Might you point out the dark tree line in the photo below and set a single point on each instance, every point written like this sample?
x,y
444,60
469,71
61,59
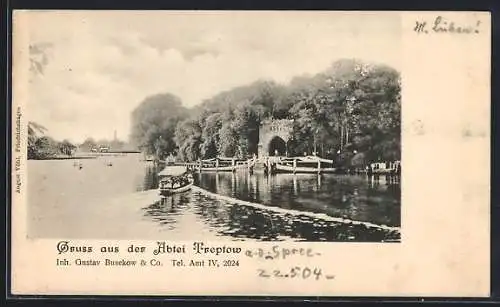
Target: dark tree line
x,y
350,113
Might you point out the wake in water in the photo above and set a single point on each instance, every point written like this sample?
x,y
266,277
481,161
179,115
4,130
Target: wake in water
x,y
224,217
295,212
230,217
243,221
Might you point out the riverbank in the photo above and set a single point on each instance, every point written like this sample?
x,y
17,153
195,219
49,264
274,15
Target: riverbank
x,y
66,158
79,156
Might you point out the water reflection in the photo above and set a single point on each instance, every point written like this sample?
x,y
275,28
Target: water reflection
x,y
150,177
355,198
166,210
245,222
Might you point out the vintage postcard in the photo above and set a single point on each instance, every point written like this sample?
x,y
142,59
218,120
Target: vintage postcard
x,y
290,153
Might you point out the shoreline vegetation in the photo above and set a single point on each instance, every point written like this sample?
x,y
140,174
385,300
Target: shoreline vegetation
x,y
87,156
43,147
67,158
349,113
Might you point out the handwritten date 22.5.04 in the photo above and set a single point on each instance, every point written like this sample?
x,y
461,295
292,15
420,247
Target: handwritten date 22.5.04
x,y
295,272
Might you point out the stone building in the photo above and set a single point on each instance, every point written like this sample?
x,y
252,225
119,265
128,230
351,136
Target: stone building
x,y
274,136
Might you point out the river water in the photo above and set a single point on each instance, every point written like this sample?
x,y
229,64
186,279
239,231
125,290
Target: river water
x,y
120,201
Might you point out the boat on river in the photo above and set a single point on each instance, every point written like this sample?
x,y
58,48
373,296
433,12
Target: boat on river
x,y
224,168
175,179
281,168
307,164
222,164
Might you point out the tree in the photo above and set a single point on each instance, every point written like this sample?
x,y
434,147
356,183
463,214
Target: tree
x,y
230,120
66,148
188,135
46,147
35,131
88,145
210,135
228,143
350,107
154,122
41,146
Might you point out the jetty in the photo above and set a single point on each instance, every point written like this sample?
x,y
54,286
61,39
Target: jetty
x,y
220,164
311,164
270,165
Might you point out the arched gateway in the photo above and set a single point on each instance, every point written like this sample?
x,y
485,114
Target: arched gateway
x,y
274,135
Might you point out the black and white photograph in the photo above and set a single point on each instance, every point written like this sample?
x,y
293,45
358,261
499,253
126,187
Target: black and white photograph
x,y
218,126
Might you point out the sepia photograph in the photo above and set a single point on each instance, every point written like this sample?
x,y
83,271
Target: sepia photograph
x,y
260,150
211,126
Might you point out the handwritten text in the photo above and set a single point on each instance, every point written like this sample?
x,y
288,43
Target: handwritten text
x,y
443,25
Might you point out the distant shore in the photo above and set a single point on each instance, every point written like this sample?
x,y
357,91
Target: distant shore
x,y
67,158
88,155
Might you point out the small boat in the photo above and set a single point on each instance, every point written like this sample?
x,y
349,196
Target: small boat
x,y
175,179
212,165
309,164
281,168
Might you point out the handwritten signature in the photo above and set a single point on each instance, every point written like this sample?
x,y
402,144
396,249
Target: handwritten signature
x,y
442,25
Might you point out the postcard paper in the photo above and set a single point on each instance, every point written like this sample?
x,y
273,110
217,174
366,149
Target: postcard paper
x,y
258,153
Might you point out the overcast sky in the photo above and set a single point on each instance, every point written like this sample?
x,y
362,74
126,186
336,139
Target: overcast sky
x,y
101,65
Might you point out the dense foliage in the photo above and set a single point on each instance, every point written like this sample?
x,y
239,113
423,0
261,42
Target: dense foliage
x,y
350,113
154,124
41,146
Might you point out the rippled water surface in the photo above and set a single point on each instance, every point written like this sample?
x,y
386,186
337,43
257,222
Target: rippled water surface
x,y
120,202
353,197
